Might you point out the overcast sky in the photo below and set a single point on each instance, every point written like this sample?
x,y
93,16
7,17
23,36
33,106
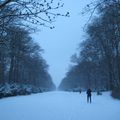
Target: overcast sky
x,y
61,43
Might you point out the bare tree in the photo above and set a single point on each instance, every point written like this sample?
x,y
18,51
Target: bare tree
x,y
41,12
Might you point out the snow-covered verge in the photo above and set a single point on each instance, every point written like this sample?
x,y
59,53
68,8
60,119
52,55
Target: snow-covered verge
x,y
60,106
8,90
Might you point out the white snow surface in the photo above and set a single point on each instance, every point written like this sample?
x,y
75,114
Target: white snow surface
x,y
60,106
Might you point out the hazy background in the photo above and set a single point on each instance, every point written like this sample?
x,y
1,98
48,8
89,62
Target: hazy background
x,y
62,41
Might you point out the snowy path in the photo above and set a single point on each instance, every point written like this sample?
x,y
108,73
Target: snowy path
x,y
59,106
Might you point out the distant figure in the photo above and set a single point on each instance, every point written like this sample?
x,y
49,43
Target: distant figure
x,y
99,93
89,95
80,91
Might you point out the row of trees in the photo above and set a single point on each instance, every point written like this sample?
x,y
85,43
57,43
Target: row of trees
x,y
98,63
21,63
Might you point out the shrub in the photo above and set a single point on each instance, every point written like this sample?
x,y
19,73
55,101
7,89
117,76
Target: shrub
x,y
116,93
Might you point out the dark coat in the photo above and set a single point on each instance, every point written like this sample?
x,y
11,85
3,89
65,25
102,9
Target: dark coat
x,y
89,92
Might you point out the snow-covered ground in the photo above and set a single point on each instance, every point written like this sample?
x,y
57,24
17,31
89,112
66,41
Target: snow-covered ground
x,y
60,106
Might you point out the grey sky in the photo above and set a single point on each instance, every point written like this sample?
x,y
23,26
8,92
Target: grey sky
x,y
62,42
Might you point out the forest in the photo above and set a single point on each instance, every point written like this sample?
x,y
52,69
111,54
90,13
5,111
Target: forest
x,y
97,64
23,70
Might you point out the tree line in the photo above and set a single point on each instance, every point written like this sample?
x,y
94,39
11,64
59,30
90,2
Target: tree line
x,y
21,62
98,64
22,67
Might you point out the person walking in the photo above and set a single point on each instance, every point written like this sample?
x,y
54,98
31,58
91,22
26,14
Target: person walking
x,y
89,94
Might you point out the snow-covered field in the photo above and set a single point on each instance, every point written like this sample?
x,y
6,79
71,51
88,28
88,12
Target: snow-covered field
x,y
60,106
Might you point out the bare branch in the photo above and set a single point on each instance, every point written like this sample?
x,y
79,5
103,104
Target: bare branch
x,y
2,5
